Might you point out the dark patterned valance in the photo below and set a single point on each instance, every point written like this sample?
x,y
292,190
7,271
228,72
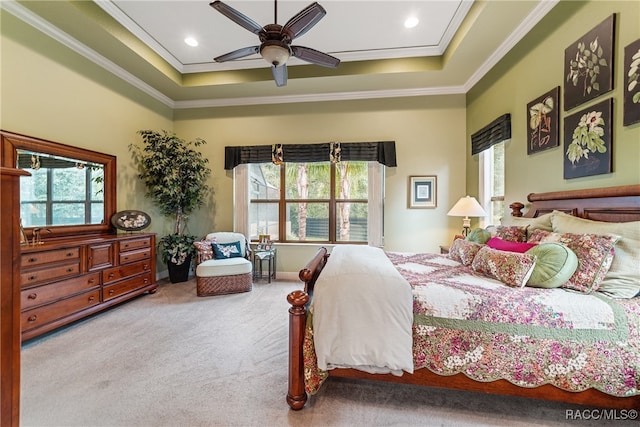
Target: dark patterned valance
x,y
497,131
383,152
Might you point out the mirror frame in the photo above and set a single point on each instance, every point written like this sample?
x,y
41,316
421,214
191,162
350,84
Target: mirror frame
x,y
11,142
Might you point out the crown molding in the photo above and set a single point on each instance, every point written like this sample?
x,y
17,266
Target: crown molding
x,y
60,36
521,30
37,22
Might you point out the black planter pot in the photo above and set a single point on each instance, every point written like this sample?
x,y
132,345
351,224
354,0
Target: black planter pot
x,y
179,273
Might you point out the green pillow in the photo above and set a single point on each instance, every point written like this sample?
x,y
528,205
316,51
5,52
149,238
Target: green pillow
x,y
555,264
478,235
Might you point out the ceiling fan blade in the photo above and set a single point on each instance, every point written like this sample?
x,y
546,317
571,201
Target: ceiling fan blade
x,y
315,56
280,75
236,16
236,54
304,20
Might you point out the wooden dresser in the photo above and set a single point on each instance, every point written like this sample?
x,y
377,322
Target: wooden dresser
x,y
64,280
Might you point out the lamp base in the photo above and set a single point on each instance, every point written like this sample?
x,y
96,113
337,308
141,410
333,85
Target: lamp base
x,y
465,231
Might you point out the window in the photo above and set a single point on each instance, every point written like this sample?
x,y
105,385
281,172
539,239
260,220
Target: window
x,y
62,195
492,182
309,202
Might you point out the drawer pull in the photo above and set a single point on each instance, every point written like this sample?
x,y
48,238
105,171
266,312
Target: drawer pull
x,y
70,269
126,246
32,296
146,281
91,298
70,254
33,259
145,267
33,277
111,291
92,280
126,258
111,275
32,318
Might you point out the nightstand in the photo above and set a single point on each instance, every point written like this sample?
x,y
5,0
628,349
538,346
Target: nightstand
x,y
444,249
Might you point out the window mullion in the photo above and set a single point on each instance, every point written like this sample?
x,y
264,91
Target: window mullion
x,y
332,204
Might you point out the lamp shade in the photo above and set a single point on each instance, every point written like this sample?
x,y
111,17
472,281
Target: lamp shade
x,y
467,206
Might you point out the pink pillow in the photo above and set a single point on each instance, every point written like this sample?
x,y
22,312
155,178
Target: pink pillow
x,y
504,245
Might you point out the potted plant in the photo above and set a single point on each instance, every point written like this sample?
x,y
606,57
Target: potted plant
x,y
175,176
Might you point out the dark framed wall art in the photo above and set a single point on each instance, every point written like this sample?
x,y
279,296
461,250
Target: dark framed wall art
x,y
544,114
588,65
588,141
631,83
422,192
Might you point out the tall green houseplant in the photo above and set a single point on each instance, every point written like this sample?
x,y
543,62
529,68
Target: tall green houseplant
x,y
175,175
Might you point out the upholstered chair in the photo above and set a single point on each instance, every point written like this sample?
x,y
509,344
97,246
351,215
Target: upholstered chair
x,y
223,264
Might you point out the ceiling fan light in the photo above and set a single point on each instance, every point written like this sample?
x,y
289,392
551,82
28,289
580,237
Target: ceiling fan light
x,y
275,55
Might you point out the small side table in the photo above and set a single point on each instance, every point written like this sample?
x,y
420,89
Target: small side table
x,y
444,249
259,257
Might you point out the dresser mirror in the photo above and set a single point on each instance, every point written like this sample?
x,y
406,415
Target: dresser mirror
x,y
70,191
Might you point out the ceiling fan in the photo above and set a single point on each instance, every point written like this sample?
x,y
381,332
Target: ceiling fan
x,y
275,40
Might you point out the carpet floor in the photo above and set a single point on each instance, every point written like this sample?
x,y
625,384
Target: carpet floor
x,y
175,359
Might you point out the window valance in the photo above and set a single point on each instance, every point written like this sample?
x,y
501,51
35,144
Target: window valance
x,y
495,132
383,152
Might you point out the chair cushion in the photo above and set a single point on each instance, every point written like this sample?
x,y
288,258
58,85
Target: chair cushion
x,y
223,267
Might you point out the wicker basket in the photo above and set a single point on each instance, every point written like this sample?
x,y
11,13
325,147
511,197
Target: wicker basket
x,y
220,285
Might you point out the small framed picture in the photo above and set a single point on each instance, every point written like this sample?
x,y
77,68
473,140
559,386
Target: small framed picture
x,y
422,192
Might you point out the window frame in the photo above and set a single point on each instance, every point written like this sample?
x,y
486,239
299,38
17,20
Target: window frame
x,y
375,198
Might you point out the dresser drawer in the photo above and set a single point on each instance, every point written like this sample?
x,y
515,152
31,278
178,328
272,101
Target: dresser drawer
x,y
47,313
114,274
133,256
49,293
28,278
129,245
45,257
125,286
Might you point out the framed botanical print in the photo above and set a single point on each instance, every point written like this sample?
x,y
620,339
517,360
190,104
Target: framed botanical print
x,y
422,192
588,65
588,141
543,115
631,83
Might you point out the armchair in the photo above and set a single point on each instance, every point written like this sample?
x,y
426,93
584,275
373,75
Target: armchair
x,y
229,270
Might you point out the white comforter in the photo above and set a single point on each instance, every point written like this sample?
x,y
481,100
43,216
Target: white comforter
x,y
359,281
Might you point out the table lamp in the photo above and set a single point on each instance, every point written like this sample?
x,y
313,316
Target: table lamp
x,y
467,207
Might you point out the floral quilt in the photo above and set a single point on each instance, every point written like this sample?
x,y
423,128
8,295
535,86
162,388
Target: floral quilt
x,y
471,324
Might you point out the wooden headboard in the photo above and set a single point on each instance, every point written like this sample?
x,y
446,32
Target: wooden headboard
x,y
608,204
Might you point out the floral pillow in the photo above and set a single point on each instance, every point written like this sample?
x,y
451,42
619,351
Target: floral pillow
x,y
511,268
543,236
511,233
464,251
595,255
204,250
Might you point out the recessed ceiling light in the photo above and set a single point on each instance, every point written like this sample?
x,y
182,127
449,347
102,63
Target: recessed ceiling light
x,y
191,41
411,22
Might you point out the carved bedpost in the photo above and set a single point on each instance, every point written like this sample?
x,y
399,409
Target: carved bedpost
x,y
516,209
296,396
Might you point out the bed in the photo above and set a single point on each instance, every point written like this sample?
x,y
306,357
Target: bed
x,y
617,338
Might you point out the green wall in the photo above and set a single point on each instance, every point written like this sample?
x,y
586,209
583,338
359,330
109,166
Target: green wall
x,y
427,142
535,66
